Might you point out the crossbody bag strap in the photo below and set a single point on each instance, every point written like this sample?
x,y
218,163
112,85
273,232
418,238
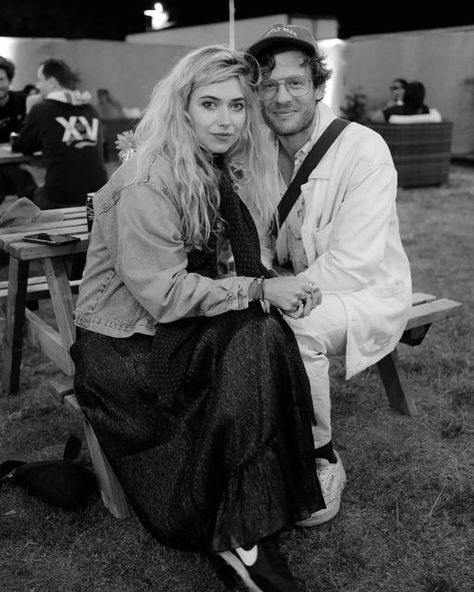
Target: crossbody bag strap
x,y
309,164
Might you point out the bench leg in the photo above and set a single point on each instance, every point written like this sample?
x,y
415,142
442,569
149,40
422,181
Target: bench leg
x,y
396,384
14,323
113,496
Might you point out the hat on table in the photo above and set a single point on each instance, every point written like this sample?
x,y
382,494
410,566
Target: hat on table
x,y
280,35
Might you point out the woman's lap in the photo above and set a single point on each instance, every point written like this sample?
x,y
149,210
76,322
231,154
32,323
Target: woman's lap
x,y
220,449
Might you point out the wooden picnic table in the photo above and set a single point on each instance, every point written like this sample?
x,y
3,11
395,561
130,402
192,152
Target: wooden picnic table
x,y
9,157
55,343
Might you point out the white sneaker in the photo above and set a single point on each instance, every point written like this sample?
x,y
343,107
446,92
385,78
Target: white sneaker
x,y
332,478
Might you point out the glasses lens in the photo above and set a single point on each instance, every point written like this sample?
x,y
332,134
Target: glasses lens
x,y
297,86
267,89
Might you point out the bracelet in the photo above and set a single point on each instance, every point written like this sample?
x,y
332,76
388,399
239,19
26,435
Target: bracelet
x,y
261,295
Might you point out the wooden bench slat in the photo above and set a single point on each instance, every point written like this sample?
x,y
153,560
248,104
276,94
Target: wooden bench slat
x,y
420,298
429,312
37,288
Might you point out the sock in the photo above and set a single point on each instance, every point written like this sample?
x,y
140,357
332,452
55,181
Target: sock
x,y
327,452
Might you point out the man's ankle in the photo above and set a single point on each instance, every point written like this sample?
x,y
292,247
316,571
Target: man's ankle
x,y
327,452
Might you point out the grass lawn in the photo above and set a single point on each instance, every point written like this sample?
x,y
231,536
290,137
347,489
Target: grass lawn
x,y
407,519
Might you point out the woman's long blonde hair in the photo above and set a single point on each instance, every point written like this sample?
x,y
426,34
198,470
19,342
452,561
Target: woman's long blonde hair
x,y
166,129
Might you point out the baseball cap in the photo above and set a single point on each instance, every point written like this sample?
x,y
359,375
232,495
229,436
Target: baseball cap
x,y
281,34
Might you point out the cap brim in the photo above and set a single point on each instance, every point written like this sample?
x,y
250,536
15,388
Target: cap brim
x,y
265,44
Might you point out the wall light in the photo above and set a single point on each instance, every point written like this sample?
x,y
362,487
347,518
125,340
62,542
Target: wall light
x,y
159,17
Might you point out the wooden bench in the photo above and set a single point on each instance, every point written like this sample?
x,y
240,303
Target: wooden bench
x,y
426,310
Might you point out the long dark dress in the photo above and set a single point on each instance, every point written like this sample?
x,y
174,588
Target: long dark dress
x,y
208,423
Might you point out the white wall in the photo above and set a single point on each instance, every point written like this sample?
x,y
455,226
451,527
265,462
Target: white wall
x,y
129,72
443,59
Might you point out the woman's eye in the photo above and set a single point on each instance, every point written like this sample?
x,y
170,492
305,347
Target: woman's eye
x,y
238,106
209,105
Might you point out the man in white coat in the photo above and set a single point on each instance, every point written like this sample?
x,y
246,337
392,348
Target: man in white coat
x,y
342,233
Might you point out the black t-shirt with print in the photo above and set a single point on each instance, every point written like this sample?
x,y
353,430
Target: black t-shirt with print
x,y
12,115
70,138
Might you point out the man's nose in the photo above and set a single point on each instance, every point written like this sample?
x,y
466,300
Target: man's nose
x,y
282,95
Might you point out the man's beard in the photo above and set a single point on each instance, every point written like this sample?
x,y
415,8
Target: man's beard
x,y
289,128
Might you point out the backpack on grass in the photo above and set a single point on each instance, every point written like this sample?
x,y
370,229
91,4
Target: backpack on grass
x,y
61,483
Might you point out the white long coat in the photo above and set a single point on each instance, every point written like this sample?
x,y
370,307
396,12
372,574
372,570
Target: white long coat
x,y
351,237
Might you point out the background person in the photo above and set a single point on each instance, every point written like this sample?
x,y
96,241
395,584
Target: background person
x,y
342,233
29,89
66,128
397,92
198,397
14,179
413,104
108,106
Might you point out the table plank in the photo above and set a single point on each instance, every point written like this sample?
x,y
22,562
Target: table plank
x,y
64,227
9,157
74,223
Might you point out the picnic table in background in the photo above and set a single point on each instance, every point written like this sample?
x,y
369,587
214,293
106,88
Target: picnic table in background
x,y
55,343
9,157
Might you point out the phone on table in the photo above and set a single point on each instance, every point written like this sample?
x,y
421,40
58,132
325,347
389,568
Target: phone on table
x,y
43,238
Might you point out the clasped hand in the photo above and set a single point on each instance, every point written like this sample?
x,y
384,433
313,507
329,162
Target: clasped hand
x,y
295,296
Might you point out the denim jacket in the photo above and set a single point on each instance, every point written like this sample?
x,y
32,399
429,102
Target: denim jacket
x,y
135,274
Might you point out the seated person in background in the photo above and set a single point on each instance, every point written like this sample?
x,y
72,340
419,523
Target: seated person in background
x,y
413,104
108,106
397,91
14,179
12,103
30,89
66,128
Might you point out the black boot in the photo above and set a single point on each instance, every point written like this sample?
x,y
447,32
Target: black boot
x,y
224,572
262,567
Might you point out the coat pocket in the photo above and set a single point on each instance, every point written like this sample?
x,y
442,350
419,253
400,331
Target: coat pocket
x,y
322,239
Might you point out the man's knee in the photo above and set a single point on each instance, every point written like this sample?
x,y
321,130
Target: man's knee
x,y
325,329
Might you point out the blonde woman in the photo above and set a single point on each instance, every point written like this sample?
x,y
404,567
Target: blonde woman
x,y
193,382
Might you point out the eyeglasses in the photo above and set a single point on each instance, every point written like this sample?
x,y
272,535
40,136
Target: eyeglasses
x,y
297,86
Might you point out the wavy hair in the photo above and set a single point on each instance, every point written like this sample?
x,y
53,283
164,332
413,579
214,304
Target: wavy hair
x,y
320,72
166,129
